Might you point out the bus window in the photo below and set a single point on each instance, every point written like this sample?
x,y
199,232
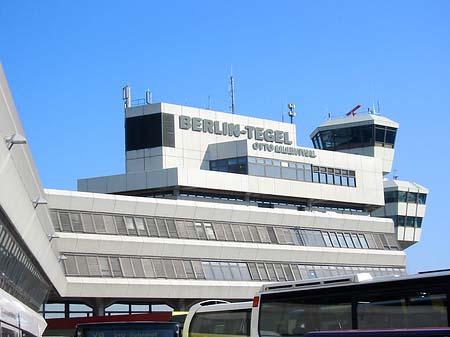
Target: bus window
x,y
284,317
228,323
423,310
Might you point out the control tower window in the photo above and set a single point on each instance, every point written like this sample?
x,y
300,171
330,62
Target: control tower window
x,y
354,137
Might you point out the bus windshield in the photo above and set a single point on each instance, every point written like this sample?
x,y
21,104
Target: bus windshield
x,y
129,329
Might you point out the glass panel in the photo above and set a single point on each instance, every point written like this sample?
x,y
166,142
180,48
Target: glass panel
x,y
129,224
412,197
218,229
254,233
168,267
172,228
363,241
217,271
334,240
188,268
151,227
76,222
55,220
244,272
104,266
120,224
71,266
271,272
288,272
228,232
253,271
264,236
126,267
82,265
422,198
181,229
272,236
94,268
200,231
137,266
116,269
356,241
109,224
148,268
179,269
256,170
65,222
207,270
327,239
348,240
272,171
262,271
192,233
140,226
401,196
159,268
162,229
198,269
235,271
209,231
99,223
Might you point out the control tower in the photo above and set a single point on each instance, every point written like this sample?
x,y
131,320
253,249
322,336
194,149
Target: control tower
x,y
367,134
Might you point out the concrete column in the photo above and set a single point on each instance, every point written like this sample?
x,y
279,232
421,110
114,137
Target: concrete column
x,y
99,307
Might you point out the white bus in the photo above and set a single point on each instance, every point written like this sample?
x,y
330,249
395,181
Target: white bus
x,y
291,309
18,320
218,319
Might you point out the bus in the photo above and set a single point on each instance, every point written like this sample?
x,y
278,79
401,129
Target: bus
x,y
128,329
18,320
218,318
291,309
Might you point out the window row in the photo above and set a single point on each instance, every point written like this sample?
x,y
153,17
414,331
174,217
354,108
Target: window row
x,y
272,168
403,196
407,221
146,267
331,176
19,275
66,221
354,137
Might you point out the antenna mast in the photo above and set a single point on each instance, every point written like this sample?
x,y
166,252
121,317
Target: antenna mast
x,y
232,90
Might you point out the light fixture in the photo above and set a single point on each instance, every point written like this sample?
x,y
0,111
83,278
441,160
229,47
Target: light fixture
x,y
52,236
15,139
39,201
62,258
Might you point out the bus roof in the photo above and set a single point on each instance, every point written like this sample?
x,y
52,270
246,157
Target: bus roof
x,y
365,278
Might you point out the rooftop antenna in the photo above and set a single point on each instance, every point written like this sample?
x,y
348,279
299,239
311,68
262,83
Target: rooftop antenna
x,y
148,97
378,106
352,112
126,96
291,112
282,113
232,90
328,113
209,102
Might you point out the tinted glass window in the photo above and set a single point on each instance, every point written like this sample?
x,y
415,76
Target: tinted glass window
x,y
236,322
143,132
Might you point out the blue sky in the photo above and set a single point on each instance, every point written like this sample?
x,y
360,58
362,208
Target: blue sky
x,y
66,62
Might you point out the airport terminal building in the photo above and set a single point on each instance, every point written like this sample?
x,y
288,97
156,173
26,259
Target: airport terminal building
x,y
212,205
